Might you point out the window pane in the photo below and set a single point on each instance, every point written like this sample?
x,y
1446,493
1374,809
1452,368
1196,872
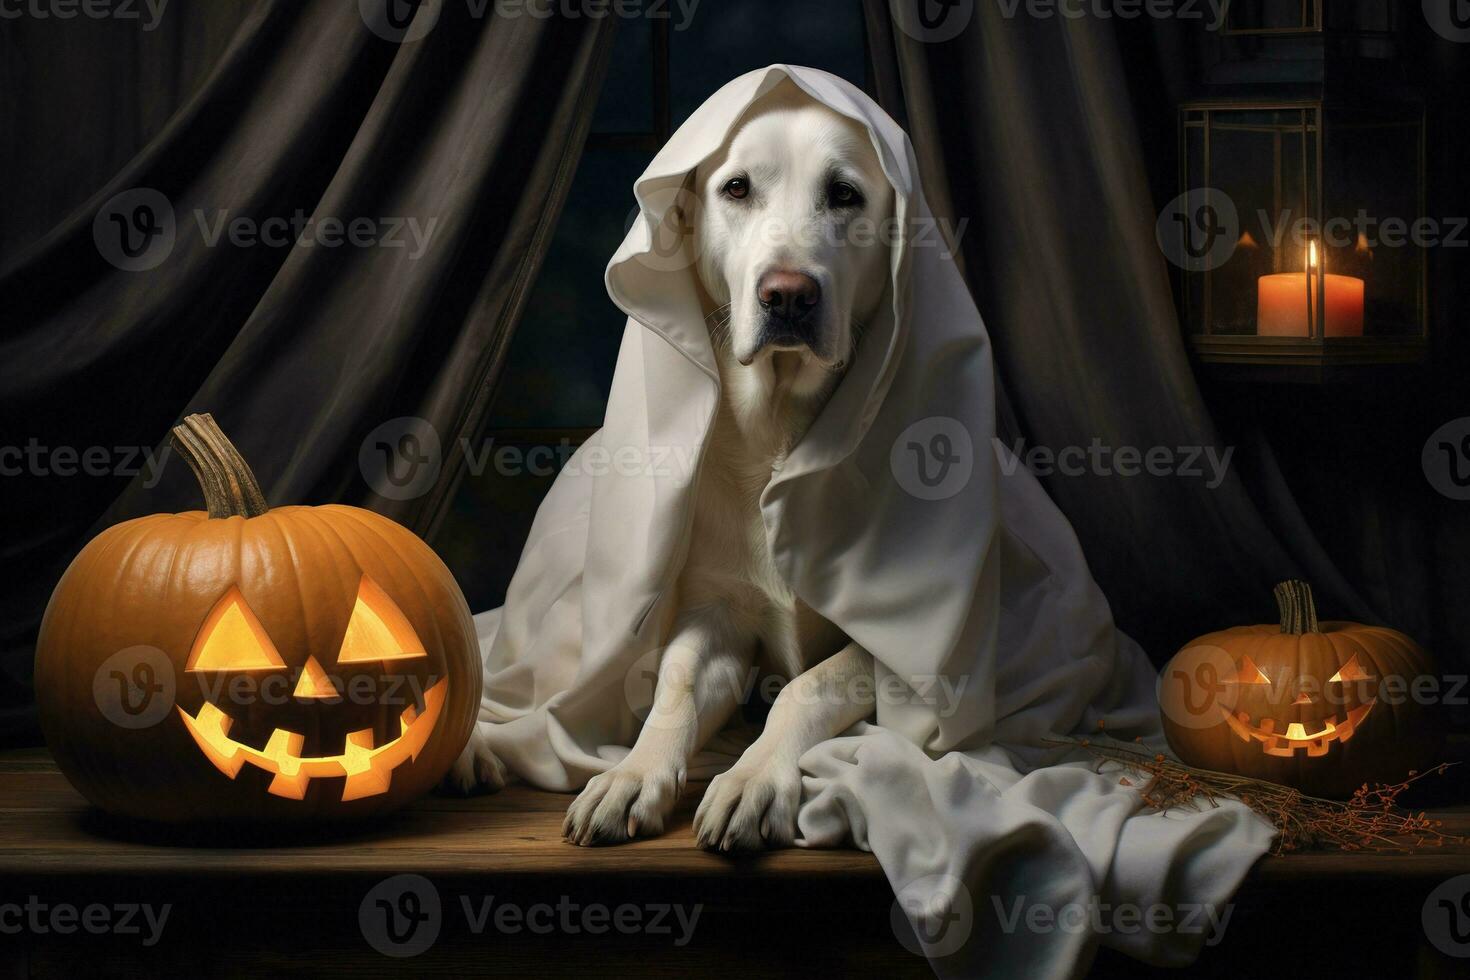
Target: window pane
x,y
626,105
724,40
559,366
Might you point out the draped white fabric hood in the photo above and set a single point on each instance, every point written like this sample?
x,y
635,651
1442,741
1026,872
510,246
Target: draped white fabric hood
x,y
902,520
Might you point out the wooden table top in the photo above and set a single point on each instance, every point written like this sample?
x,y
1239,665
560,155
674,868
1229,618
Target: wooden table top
x,y
48,830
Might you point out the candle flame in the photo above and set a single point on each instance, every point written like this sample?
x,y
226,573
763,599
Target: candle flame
x,y
1311,256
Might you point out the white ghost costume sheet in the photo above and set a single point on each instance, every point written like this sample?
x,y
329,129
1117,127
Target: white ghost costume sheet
x,y
901,519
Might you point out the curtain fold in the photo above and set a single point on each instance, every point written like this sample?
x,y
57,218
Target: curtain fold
x,y
1029,126
356,225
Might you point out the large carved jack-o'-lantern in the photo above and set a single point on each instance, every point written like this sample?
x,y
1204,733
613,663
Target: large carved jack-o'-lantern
x,y
1321,706
253,663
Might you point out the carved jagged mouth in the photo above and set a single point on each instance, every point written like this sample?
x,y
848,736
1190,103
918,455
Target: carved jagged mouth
x,y
1296,739
368,769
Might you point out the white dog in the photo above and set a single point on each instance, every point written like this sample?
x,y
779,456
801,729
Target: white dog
x,y
792,264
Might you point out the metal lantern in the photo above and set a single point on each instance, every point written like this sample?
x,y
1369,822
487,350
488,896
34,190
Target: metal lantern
x,y
1301,224
1313,215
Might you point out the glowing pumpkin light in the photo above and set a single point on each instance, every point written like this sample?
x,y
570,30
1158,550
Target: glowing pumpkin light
x,y
255,663
1321,706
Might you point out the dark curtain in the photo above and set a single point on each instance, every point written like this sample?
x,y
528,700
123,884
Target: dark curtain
x,y
1055,139
110,86
301,348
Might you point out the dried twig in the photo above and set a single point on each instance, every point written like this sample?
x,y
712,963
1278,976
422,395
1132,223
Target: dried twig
x,y
1370,821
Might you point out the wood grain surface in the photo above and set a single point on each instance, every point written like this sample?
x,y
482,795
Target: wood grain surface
x,y
292,905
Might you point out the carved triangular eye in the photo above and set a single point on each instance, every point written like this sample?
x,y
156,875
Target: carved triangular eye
x,y
1349,673
1249,673
378,630
233,639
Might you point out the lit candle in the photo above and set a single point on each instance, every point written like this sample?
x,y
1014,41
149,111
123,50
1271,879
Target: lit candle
x,y
1282,304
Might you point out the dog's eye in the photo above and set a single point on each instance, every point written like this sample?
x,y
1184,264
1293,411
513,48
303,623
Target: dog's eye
x,y
844,195
737,188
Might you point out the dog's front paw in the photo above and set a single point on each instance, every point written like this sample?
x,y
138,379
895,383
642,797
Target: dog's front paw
x,y
629,800
751,806
476,769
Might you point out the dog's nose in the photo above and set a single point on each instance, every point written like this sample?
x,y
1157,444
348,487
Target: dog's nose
x,y
788,295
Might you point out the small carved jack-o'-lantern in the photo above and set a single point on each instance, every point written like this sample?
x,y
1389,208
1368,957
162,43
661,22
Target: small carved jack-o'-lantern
x,y
1322,707
255,664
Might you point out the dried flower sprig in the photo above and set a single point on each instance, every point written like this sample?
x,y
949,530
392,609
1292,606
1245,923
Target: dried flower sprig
x,y
1370,821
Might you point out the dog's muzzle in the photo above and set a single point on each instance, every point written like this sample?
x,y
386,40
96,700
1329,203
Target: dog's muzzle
x,y
790,302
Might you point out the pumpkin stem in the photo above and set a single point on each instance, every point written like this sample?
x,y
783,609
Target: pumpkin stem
x,y
230,488
1298,608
